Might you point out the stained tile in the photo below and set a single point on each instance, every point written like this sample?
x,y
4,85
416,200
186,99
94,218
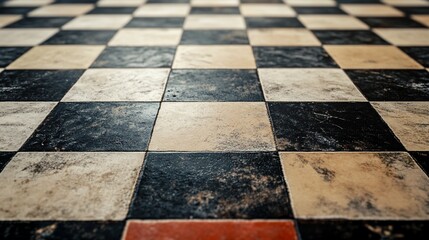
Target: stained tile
x,y
95,127
266,10
409,121
212,127
102,85
19,120
214,37
422,158
113,10
9,54
211,185
390,22
40,22
163,10
332,22
371,10
292,57
277,22
135,57
5,158
423,19
147,37
282,37
392,85
420,54
61,10
405,37
99,21
330,127
68,186
347,37
57,57
371,57
212,21
356,185
169,22
215,10
36,85
86,37
318,10
308,85
213,85
8,19
231,56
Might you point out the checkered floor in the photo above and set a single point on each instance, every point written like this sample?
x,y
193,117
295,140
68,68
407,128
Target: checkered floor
x,y
220,119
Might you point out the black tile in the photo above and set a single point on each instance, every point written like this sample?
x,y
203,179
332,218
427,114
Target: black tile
x,y
330,127
368,230
391,22
211,185
40,22
349,37
302,57
392,85
81,37
156,23
113,10
319,10
261,1
5,157
95,127
359,1
70,230
214,37
36,85
16,10
215,10
9,54
422,158
414,10
263,22
135,57
213,85
76,1
420,54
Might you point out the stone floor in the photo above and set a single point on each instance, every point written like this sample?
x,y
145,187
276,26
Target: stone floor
x,y
214,119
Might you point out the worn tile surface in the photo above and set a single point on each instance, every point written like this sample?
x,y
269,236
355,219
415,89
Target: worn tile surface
x,y
147,37
214,22
25,37
282,37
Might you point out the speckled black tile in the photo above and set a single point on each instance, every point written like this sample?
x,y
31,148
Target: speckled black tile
x,y
391,22
392,85
318,10
90,37
135,57
9,54
95,127
215,10
414,10
113,10
293,57
71,230
211,185
213,85
172,22
349,37
334,126
358,230
16,10
40,22
214,37
5,157
263,22
420,54
37,85
422,158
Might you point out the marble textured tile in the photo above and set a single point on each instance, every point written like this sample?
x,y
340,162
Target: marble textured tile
x,y
277,22
266,10
150,22
60,10
215,10
58,57
318,10
163,10
212,21
25,37
8,19
43,186
349,37
215,57
356,185
282,37
147,37
332,22
371,10
98,22
16,10
214,37
113,10
40,22
420,54
423,19
5,157
212,127
405,37
9,54
411,10
81,37
409,121
19,120
109,85
390,22
294,85
422,158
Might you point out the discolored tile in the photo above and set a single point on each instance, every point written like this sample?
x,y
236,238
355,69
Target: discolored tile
x,y
332,126
371,10
68,186
332,22
420,54
95,127
215,10
36,85
278,22
423,19
231,56
347,37
9,54
292,57
25,37
163,10
405,37
135,57
318,10
147,37
201,126
85,37
409,121
58,57
8,19
5,157
150,22
214,37
294,85
356,185
371,57
282,37
206,22
61,10
102,85
19,120
40,22
390,22
266,10
211,185
98,22
213,85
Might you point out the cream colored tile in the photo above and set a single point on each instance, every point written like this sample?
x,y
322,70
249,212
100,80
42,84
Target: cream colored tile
x,y
371,57
371,10
356,185
217,3
68,186
98,21
214,57
423,19
163,10
25,37
332,22
62,10
405,37
147,37
308,3
207,22
107,85
58,57
266,10
26,3
409,121
18,120
197,126
8,19
308,85
282,37
406,2
121,3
